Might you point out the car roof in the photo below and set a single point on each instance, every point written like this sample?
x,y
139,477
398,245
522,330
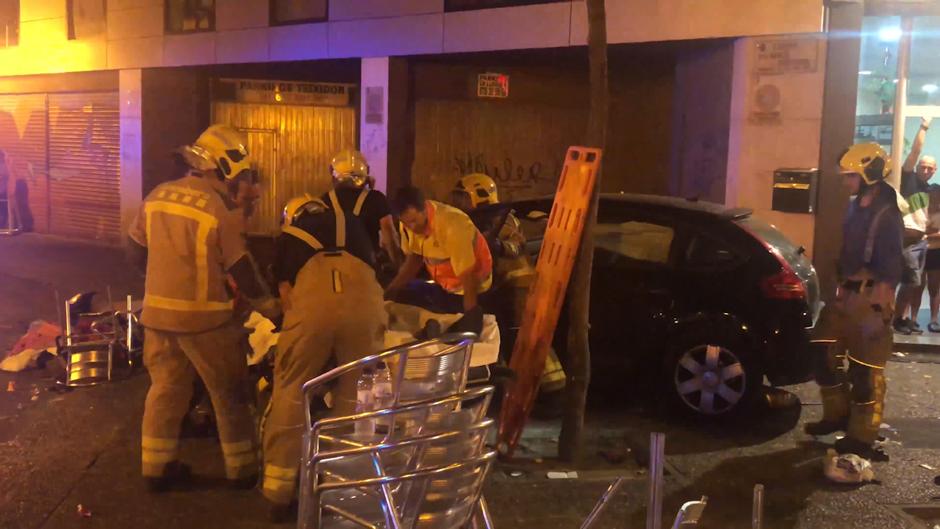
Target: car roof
x,y
676,203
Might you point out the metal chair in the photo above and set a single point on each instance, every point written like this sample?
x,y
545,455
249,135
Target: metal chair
x,y
94,344
12,225
440,497
428,401
89,343
436,432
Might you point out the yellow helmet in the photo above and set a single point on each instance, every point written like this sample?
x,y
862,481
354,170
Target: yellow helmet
x,y
219,147
295,208
480,187
350,167
868,160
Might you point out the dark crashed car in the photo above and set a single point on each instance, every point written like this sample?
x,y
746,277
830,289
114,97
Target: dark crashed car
x,y
710,300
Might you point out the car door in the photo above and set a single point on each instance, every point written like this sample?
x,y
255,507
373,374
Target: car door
x,y
632,291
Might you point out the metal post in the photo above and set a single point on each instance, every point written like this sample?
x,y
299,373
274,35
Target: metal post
x,y
130,327
757,511
900,101
654,508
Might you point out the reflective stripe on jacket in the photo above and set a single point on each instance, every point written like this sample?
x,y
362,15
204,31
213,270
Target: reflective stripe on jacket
x,y
192,239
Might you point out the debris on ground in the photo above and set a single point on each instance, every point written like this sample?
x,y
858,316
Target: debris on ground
x,y
11,386
899,355
563,475
26,359
34,394
40,335
614,456
925,466
847,468
82,511
516,474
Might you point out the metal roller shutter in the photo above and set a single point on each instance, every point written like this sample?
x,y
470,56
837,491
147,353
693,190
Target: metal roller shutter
x,y
84,165
23,133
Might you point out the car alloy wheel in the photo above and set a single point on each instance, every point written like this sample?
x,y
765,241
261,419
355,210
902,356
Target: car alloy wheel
x,y
710,379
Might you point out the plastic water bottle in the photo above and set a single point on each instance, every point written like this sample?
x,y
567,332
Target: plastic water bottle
x,y
382,395
365,403
382,387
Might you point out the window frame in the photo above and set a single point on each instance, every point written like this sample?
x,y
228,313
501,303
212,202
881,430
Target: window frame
x,y
274,22
16,41
630,214
170,31
497,4
70,18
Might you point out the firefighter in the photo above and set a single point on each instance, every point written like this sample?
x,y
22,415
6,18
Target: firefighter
x,y
333,309
856,327
354,188
513,271
189,241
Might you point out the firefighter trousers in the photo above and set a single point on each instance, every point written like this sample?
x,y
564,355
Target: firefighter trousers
x,y
850,373
174,360
336,310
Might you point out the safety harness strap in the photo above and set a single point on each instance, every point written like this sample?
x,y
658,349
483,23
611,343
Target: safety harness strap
x,y
304,236
340,221
873,232
357,209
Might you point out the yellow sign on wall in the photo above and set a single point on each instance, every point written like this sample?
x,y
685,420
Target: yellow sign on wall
x,y
283,92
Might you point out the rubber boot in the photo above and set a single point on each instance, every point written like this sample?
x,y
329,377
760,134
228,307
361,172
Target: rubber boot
x,y
864,421
174,475
835,402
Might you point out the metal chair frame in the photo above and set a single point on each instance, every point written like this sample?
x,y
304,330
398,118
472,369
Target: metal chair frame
x,y
455,376
483,463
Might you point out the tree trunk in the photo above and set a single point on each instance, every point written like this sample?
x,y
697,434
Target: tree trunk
x,y
578,364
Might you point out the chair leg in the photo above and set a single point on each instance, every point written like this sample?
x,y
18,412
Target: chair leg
x,y
481,518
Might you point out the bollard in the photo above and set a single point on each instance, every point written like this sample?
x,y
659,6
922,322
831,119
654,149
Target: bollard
x,y
654,509
757,511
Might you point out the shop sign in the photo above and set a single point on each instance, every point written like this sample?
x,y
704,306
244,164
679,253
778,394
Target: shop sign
x,y
284,92
783,56
493,85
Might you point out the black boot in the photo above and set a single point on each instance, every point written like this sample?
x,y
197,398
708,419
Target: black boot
x,y
174,475
848,445
246,483
825,427
280,513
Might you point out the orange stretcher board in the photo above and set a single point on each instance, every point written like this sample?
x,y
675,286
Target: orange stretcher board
x,y
544,301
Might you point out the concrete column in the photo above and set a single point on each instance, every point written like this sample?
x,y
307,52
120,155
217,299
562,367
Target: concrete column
x,y
373,119
838,132
129,82
776,114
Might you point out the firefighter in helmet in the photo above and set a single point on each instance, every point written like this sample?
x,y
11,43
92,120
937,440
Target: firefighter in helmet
x,y
354,188
190,241
514,273
856,328
333,309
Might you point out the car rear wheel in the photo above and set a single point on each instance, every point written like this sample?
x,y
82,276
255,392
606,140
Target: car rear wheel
x,y
713,378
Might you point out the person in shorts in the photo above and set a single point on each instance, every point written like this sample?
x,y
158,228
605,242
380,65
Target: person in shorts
x,y
915,174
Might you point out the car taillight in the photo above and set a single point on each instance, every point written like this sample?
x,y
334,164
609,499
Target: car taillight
x,y
785,284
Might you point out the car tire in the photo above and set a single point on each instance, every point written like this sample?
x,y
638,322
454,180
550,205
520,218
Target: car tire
x,y
712,376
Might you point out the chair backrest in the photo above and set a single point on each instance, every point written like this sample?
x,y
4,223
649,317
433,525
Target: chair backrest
x,y
421,435
336,436
420,371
